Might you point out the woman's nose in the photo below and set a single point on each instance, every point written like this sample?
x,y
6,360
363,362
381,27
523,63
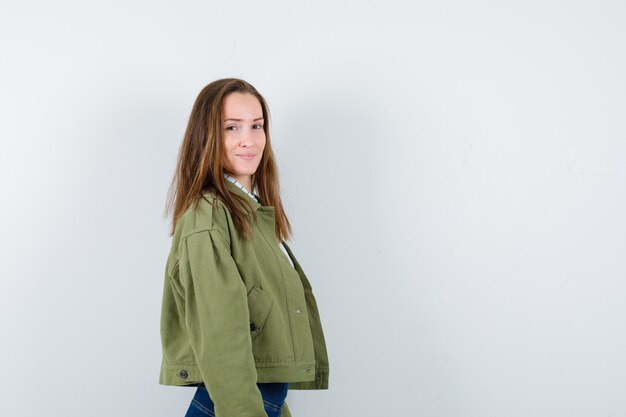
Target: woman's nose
x,y
246,138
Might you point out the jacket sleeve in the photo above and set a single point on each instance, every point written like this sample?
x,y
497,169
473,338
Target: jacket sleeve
x,y
217,320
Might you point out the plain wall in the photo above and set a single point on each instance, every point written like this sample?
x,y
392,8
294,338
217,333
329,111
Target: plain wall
x,y
454,172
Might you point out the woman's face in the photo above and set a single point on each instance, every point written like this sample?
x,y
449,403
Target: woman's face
x,y
243,135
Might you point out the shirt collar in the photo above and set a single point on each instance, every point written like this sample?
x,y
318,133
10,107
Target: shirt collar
x,y
238,188
240,185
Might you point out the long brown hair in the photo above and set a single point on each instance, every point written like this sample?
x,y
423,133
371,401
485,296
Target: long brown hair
x,y
200,165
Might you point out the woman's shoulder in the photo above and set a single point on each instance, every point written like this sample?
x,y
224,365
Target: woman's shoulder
x,y
206,213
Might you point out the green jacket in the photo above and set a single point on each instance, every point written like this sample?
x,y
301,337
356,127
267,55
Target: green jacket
x,y
235,312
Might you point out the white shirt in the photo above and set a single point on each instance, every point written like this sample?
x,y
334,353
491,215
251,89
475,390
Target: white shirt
x,y
240,185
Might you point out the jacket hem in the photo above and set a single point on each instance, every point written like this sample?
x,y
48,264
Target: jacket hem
x,y
295,372
320,381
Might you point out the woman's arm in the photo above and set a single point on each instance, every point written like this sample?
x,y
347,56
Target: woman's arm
x,y
217,320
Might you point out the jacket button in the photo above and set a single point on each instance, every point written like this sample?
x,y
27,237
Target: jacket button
x,y
183,374
253,327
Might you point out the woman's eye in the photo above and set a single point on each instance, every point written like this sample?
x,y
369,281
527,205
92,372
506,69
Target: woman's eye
x,y
231,127
257,126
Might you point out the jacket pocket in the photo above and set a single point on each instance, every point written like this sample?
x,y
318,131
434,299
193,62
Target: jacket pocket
x,y
259,304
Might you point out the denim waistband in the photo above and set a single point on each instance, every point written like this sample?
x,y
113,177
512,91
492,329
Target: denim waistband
x,y
273,392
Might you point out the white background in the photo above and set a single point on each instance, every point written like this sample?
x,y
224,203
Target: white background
x,y
454,172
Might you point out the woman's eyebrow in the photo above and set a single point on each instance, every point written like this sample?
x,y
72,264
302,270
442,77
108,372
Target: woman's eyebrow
x,y
240,120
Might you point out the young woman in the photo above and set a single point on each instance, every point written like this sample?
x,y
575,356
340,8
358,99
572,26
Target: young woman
x,y
239,320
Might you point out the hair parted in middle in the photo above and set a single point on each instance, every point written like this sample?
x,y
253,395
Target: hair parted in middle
x,y
200,165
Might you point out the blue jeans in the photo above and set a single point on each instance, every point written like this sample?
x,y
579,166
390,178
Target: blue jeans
x,y
273,393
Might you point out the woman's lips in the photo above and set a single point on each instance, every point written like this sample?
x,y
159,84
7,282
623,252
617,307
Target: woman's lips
x,y
247,157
